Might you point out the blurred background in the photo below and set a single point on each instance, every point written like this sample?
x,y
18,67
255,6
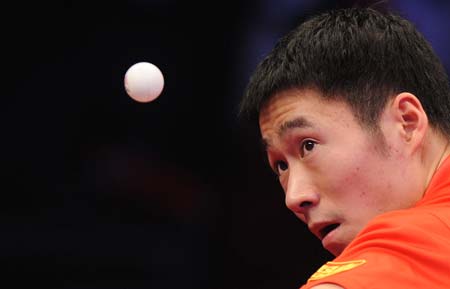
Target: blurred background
x,y
100,191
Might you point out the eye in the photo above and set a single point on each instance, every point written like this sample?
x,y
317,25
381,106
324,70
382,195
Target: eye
x,y
306,147
280,166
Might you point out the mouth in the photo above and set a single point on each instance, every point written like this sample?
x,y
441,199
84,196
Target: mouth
x,y
323,232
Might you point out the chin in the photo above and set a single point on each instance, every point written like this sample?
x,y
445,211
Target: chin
x,y
335,249
335,241
334,245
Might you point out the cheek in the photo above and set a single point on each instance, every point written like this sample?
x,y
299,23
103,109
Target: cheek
x,y
357,183
340,171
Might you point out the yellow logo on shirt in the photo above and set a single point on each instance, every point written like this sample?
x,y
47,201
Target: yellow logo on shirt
x,y
331,268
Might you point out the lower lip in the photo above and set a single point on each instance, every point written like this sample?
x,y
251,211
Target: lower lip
x,y
329,238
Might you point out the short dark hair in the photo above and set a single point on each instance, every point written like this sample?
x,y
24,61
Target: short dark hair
x,y
358,55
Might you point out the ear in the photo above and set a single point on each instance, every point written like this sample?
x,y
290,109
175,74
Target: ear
x,y
411,118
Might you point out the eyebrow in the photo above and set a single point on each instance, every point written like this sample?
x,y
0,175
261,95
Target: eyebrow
x,y
298,122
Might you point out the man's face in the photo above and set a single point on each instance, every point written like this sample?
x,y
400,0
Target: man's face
x,y
336,175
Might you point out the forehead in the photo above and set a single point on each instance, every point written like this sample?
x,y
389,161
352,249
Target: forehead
x,y
304,109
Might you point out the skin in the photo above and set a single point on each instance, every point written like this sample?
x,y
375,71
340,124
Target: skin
x,y
334,171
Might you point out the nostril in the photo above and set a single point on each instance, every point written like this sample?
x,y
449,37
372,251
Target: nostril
x,y
301,202
305,204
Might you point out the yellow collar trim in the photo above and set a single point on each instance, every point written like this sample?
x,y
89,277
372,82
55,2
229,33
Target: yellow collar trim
x,y
331,268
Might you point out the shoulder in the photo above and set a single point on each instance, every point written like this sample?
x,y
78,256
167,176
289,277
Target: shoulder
x,y
327,286
409,219
402,232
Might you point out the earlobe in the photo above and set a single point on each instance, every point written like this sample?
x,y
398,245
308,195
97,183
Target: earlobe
x,y
411,116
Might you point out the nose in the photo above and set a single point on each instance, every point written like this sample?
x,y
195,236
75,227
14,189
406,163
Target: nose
x,y
300,195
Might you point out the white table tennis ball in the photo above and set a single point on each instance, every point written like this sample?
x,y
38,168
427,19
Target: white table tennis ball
x,y
144,82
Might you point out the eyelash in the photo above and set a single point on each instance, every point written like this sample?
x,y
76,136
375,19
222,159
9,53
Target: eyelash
x,y
303,144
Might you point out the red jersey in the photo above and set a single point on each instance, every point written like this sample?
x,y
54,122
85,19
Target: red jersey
x,y
401,249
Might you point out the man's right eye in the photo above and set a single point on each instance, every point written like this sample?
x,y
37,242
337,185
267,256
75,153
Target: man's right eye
x,y
280,166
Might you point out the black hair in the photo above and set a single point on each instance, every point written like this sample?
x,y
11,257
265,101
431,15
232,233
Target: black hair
x,y
357,55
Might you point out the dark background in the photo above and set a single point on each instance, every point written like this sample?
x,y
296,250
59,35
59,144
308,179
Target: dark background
x,y
100,191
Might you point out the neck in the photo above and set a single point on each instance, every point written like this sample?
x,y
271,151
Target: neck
x,y
445,154
441,150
